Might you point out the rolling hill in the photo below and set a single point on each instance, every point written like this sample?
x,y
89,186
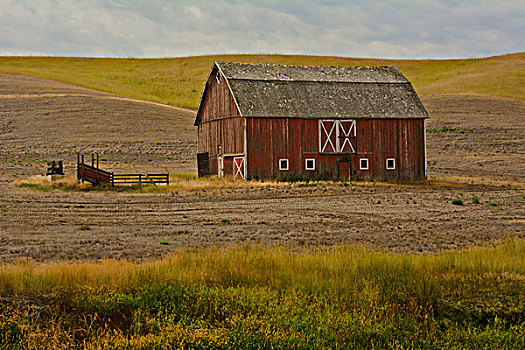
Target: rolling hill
x,y
179,81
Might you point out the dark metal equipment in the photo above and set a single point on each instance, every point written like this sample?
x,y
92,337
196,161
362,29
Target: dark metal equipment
x,y
55,168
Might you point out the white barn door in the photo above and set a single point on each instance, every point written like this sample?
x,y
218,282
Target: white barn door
x,y
238,167
337,136
328,136
347,136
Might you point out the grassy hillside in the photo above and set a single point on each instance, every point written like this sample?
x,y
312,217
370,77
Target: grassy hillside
x,y
179,81
255,297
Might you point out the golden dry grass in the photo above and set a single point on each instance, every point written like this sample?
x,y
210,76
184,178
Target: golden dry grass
x,y
272,266
179,81
190,182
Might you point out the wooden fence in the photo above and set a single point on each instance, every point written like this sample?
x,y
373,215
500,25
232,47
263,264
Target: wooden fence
x,y
93,174
140,179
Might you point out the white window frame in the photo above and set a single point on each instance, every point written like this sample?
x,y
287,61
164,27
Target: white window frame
x,y
287,164
393,167
361,167
218,77
306,163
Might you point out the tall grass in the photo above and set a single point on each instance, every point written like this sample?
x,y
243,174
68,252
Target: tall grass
x,y
254,296
179,81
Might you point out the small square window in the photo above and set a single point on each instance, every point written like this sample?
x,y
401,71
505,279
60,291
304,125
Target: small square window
x,y
309,164
363,164
390,164
218,77
283,164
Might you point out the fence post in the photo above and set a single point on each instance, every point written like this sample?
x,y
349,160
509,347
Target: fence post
x,y
140,180
112,179
82,168
98,176
168,179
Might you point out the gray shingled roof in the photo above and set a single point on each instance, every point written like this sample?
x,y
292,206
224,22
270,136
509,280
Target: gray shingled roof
x,y
321,92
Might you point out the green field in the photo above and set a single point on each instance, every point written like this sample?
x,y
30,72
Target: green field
x,y
255,297
179,81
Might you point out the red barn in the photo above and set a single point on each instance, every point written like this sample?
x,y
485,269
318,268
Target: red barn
x,y
275,121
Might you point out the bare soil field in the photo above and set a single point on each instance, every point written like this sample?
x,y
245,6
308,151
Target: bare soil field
x,y
483,157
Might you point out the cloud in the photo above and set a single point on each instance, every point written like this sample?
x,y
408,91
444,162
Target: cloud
x,y
160,28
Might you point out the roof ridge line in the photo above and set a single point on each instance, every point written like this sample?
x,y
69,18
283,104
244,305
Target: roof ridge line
x,y
321,81
302,65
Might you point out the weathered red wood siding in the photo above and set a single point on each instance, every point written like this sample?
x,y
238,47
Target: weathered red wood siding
x,y
401,139
220,124
296,139
218,101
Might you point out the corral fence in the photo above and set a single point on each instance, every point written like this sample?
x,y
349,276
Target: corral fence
x,y
93,174
141,179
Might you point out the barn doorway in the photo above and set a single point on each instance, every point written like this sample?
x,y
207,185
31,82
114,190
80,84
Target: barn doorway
x,y
344,170
203,164
238,168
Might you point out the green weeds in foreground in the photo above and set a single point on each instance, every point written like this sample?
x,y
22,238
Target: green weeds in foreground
x,y
256,297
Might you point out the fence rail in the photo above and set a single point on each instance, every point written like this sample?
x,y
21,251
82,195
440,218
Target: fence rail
x,y
95,175
139,179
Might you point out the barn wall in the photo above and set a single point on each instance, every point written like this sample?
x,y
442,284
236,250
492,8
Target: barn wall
x,y
227,132
219,124
218,101
295,139
401,139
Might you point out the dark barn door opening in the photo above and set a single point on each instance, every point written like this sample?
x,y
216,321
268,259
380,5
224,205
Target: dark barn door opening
x,y
203,164
344,170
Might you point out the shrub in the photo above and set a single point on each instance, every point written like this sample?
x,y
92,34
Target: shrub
x,y
447,129
475,200
225,220
457,201
164,243
493,204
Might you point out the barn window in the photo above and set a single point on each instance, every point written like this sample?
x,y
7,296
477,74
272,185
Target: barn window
x,y
363,164
218,77
390,164
283,164
310,164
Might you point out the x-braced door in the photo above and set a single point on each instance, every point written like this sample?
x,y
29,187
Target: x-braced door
x,y
238,167
337,136
347,136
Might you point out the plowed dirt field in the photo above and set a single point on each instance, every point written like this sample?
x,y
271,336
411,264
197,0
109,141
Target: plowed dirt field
x,y
483,157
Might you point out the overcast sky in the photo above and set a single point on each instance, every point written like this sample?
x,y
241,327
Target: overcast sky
x,y
169,28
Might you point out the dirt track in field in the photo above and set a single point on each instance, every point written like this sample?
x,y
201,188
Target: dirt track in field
x,y
47,120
